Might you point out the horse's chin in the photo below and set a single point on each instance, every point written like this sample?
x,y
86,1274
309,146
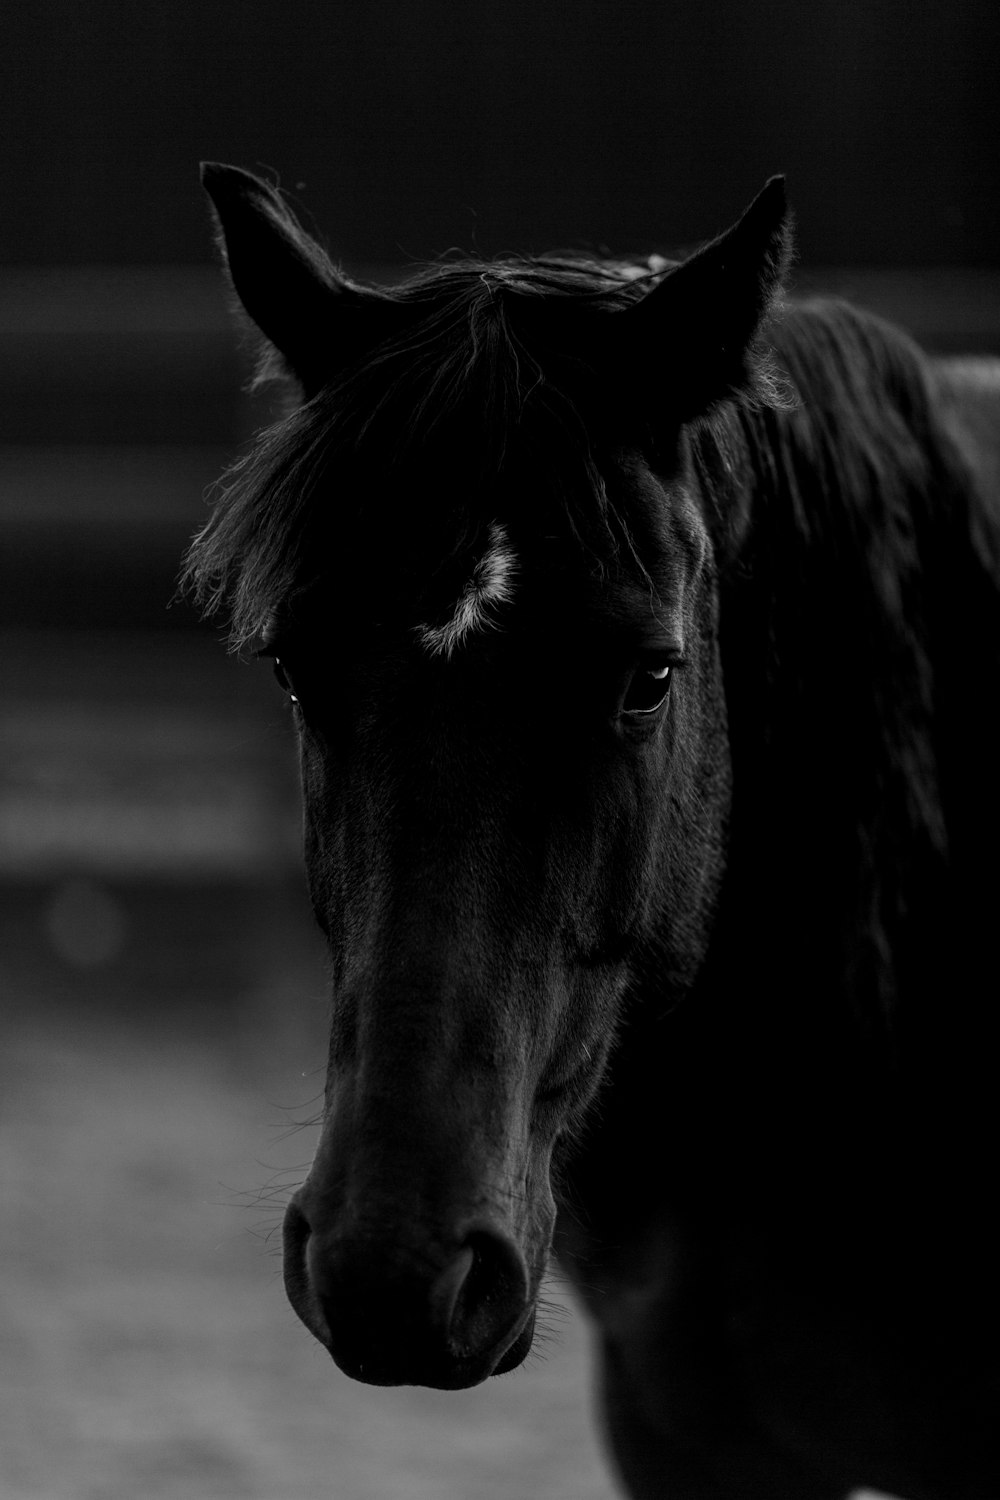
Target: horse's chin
x,y
448,1373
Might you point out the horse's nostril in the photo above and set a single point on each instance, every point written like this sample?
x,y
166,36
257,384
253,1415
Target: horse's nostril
x,y
296,1233
446,1293
488,1287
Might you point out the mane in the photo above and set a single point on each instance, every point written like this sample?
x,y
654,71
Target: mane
x,y
460,386
860,615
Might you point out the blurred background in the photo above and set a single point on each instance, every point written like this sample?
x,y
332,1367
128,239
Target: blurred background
x,y
162,988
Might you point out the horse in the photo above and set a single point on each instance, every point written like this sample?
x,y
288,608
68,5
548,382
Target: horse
x,y
639,623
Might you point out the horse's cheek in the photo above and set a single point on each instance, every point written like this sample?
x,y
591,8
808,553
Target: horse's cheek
x,y
335,868
683,833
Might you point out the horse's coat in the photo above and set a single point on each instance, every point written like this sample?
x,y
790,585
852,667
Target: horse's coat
x,y
643,636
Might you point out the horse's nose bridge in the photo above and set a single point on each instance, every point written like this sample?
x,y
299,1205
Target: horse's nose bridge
x,y
428,986
440,953
427,1053
452,835
424,1221
441,873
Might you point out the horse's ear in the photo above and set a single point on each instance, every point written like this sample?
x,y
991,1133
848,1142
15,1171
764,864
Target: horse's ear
x,y
694,332
309,313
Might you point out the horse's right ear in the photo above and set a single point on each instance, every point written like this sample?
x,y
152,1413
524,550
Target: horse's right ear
x,y
314,318
692,338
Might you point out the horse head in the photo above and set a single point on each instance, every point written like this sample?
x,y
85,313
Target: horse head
x,y
478,554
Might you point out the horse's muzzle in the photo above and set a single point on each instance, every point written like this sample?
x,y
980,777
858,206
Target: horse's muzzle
x,y
444,1314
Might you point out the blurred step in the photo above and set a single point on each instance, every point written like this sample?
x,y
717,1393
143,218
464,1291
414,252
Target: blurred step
x,y
143,756
947,309
119,354
94,536
137,791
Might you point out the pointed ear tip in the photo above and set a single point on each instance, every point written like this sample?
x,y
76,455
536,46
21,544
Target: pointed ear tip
x,y
770,210
775,191
218,178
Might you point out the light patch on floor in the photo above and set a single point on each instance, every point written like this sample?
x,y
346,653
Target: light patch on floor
x,y
149,1348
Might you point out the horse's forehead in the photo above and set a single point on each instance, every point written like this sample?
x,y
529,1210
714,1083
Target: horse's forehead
x,y
639,574
490,586
467,566
667,520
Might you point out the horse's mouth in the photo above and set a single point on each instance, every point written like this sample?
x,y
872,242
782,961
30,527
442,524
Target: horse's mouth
x,y
390,1348
456,1372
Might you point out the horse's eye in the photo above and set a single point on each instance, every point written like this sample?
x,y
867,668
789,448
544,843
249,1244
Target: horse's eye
x,y
283,679
647,690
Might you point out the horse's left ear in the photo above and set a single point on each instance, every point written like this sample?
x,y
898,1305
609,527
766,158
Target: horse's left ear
x,y
692,336
309,313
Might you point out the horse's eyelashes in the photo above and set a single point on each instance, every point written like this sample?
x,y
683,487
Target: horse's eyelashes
x,y
284,680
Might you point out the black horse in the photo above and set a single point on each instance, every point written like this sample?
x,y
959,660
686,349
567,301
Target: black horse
x,y
642,633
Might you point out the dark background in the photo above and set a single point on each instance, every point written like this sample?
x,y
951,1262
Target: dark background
x,y
401,130
163,993
514,125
